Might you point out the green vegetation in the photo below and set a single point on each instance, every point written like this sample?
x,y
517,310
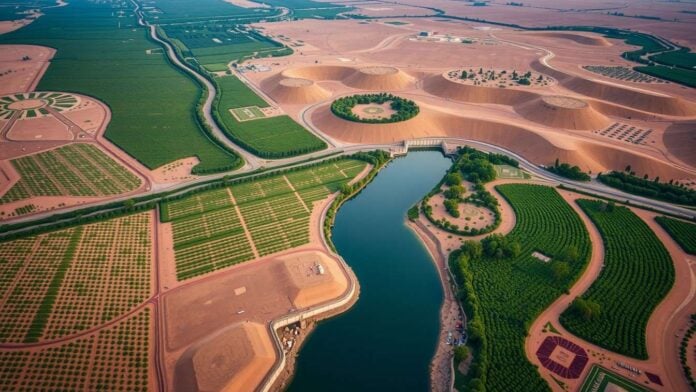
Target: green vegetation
x,y
654,189
77,169
682,76
43,313
476,167
503,287
215,44
209,227
682,58
273,137
169,11
235,94
567,171
152,104
600,379
684,233
405,109
637,274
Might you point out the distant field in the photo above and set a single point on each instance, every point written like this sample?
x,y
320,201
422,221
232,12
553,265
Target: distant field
x,y
684,233
677,75
637,274
209,227
78,169
166,11
55,282
151,102
512,292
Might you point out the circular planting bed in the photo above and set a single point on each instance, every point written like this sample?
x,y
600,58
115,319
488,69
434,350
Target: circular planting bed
x,y
374,108
30,105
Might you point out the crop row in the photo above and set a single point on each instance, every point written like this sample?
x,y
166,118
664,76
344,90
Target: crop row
x,y
114,359
73,170
67,281
509,293
684,233
637,274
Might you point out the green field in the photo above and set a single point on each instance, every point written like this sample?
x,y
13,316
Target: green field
x,y
637,274
235,94
152,103
676,75
169,11
248,113
508,294
78,169
209,227
53,283
684,233
274,137
600,379
680,58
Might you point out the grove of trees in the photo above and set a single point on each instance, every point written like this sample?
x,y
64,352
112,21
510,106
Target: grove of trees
x,y
405,108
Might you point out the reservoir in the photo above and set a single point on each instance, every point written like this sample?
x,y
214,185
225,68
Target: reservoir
x,y
387,339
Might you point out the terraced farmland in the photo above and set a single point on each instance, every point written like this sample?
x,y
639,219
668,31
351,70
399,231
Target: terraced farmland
x,y
78,169
63,282
114,359
682,232
222,227
512,292
637,274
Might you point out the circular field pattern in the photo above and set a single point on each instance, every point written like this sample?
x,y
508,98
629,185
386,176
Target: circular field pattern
x,y
35,104
374,108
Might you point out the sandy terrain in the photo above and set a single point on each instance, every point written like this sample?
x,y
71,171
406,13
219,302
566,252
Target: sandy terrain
x,y
542,123
471,216
17,75
176,171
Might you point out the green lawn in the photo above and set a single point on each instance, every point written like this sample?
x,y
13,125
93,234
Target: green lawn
x,y
273,137
636,276
152,103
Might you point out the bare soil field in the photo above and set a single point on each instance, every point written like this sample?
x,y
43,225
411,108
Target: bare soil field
x,y
22,66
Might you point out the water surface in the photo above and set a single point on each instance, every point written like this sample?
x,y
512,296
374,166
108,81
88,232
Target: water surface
x,y
386,341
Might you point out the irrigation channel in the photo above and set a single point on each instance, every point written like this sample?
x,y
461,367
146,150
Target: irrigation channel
x,y
387,339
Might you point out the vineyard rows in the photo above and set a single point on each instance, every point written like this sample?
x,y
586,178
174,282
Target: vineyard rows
x,y
113,359
636,276
77,169
684,233
209,233
512,292
66,281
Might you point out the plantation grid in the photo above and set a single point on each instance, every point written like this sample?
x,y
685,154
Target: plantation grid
x,y
64,282
222,227
78,169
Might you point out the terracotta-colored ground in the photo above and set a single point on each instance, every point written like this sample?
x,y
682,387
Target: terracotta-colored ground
x,y
17,75
531,121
